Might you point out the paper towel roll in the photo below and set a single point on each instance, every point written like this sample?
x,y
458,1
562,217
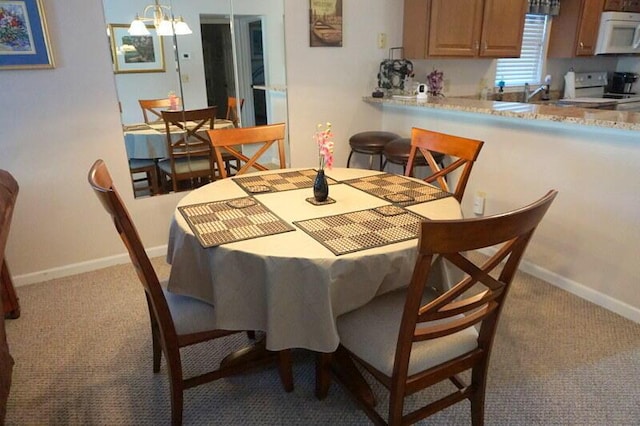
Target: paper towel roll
x,y
570,85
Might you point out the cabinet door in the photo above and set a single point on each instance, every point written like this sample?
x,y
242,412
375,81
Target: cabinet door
x,y
588,29
454,27
414,28
632,6
502,28
614,5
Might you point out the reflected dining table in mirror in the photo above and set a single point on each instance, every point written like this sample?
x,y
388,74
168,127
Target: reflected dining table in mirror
x,y
270,260
149,140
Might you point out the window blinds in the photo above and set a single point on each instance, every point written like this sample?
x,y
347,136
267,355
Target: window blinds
x,y
528,67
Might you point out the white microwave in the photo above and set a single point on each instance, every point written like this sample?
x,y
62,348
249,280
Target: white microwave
x,y
619,33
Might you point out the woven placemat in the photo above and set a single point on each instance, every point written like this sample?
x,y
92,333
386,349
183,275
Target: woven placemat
x,y
276,182
227,221
397,189
349,232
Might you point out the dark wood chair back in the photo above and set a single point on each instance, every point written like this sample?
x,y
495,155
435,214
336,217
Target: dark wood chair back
x,y
152,108
463,153
230,141
8,196
192,145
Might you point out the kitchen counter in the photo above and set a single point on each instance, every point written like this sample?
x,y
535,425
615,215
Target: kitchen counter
x,y
623,120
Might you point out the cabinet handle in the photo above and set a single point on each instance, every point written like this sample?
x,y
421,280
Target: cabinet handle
x,y
484,46
581,45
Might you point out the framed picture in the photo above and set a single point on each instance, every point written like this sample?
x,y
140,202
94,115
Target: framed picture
x,y
132,54
325,23
24,38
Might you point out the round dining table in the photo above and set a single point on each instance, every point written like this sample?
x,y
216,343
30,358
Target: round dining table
x,y
288,284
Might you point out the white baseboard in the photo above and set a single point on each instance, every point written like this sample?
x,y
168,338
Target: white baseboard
x,y
614,305
621,308
78,268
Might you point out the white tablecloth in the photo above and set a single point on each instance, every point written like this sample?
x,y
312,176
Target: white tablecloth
x,y
150,141
289,285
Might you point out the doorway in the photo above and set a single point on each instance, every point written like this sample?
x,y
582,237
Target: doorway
x,y
219,70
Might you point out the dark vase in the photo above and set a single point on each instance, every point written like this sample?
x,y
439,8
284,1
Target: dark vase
x,y
320,187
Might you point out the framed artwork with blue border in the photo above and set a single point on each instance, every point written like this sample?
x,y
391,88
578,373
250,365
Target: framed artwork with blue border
x,y
24,39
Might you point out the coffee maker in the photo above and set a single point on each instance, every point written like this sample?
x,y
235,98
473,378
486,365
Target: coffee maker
x,y
623,82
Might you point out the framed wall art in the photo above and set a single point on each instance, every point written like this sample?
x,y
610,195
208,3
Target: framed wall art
x,y
24,38
325,23
135,54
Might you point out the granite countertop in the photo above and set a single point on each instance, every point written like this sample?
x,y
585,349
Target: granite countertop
x,y
624,120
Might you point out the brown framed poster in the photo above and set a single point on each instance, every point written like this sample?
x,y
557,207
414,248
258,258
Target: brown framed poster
x,y
325,23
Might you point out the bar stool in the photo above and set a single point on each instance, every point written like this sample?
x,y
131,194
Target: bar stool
x,y
370,143
397,152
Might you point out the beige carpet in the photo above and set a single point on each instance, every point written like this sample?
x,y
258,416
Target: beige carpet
x,y
83,356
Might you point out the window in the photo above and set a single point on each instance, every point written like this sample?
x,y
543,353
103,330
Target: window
x,y
529,66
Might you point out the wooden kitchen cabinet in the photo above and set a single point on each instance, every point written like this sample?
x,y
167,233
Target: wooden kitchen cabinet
x,y
622,5
463,28
574,31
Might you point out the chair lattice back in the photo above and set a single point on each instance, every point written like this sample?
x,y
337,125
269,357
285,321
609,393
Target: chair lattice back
x,y
230,141
463,151
478,298
152,108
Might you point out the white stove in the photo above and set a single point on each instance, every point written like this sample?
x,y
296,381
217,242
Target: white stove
x,y
590,88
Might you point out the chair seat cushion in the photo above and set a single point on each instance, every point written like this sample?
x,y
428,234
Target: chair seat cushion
x,y
140,163
185,165
371,333
190,315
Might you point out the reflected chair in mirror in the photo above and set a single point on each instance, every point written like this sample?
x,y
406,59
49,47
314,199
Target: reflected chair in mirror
x,y
176,321
191,162
257,139
144,177
462,153
152,108
414,338
233,109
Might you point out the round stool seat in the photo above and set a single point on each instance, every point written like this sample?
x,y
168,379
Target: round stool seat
x,y
397,152
371,143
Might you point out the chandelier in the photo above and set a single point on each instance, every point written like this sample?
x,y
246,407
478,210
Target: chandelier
x,y
164,26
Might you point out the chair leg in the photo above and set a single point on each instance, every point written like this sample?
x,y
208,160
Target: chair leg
x,y
381,163
157,347
285,369
349,158
323,374
177,400
479,383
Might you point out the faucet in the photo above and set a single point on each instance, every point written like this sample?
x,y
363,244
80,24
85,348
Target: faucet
x,y
527,95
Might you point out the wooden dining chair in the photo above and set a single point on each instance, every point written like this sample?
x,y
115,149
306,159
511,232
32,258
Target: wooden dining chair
x,y
414,338
152,108
233,110
144,176
190,155
260,138
463,153
176,321
8,196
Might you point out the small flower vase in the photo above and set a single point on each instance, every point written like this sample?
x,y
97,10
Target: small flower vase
x,y
320,187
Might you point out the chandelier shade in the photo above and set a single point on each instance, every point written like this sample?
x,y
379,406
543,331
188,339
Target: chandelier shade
x,y
164,25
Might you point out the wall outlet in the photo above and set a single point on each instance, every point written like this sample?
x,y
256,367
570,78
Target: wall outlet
x,y
382,40
478,203
185,78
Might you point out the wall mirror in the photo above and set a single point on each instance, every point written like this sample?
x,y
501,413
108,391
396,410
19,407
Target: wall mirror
x,y
223,53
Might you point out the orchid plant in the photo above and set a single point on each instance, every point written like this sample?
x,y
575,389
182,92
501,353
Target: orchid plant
x,y
324,139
